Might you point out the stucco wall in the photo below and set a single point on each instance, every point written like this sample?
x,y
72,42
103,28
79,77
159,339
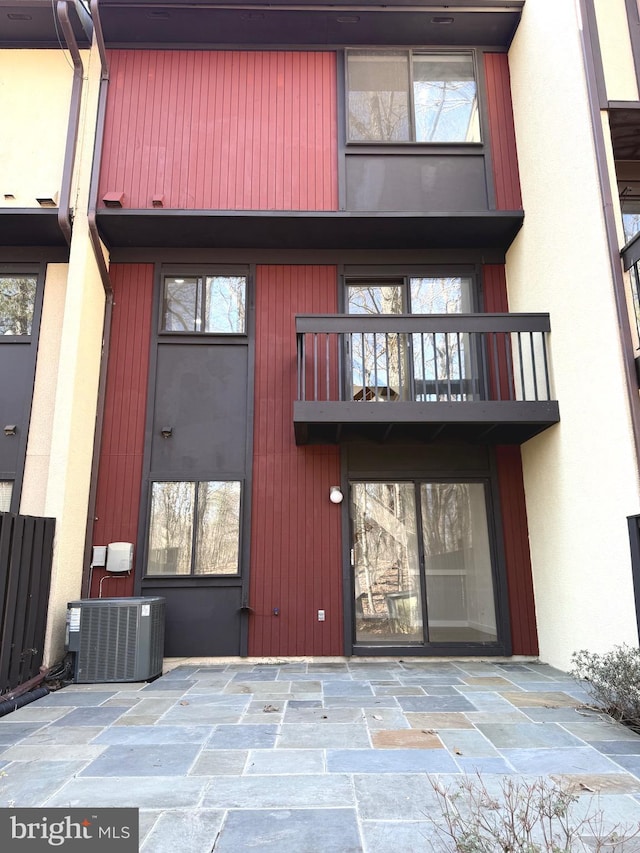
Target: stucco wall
x,y
35,88
580,476
615,47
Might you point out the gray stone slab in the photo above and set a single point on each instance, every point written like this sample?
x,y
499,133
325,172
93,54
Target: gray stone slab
x,y
385,718
220,762
391,796
323,736
14,732
144,735
32,714
567,760
436,703
174,831
71,698
466,742
304,703
78,752
599,728
30,783
272,688
197,715
168,685
489,701
279,792
390,761
243,737
89,717
160,792
403,837
471,765
213,698
617,747
557,715
629,762
301,830
347,688
317,715
528,735
257,675
63,736
284,761
399,690
361,702
156,759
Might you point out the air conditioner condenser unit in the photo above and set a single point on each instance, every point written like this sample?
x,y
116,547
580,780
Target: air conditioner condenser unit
x,y
116,639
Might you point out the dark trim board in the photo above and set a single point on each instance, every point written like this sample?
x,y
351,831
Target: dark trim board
x,y
23,226
179,23
313,257
495,422
199,229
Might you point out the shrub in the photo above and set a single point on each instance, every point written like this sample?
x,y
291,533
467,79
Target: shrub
x,y
613,681
523,816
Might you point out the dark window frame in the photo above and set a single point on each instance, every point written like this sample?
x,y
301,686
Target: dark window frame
x,y
16,271
413,143
202,272
192,575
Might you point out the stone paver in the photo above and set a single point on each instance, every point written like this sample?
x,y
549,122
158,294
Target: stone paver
x,y
312,756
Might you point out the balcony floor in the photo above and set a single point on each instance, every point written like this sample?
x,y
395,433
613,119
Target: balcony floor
x,y
489,422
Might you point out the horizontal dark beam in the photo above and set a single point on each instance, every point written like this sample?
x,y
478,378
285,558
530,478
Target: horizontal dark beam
x,y
467,411
30,227
188,24
357,324
307,229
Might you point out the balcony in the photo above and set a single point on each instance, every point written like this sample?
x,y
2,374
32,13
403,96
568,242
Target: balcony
x,y
450,377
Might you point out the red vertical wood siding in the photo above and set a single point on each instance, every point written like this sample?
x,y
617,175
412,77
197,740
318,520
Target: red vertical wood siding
x,y
502,133
524,634
296,530
222,130
121,453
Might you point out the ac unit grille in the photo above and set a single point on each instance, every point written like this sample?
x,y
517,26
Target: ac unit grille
x,y
108,637
116,639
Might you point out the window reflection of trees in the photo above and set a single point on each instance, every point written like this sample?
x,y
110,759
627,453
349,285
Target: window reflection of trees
x,y
423,366
215,304
215,507
17,301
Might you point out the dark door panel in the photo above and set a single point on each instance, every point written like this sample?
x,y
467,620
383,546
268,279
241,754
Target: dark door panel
x,y
201,396
201,621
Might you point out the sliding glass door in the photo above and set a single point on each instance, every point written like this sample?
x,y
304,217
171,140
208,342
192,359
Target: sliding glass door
x,y
422,564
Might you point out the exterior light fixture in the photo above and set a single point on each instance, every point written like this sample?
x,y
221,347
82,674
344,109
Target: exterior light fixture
x,y
166,432
335,495
10,429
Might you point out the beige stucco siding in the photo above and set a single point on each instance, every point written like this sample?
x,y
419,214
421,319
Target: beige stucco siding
x,y
580,476
615,47
35,90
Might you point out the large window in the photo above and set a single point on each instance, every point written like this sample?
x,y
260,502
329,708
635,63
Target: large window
x,y
194,528
213,304
17,302
409,96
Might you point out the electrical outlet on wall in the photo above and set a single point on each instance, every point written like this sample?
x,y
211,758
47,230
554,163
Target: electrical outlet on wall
x,y
320,615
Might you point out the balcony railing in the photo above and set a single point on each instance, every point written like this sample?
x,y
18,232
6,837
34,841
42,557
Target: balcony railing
x,y
471,376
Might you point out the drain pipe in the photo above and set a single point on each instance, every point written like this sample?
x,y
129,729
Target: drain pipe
x,y
96,244
64,206
622,313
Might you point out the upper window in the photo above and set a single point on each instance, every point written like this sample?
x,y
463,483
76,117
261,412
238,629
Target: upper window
x,y
410,96
17,302
213,304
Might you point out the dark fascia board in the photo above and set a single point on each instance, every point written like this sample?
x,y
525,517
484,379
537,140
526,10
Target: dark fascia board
x,y
31,23
182,23
30,227
198,229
